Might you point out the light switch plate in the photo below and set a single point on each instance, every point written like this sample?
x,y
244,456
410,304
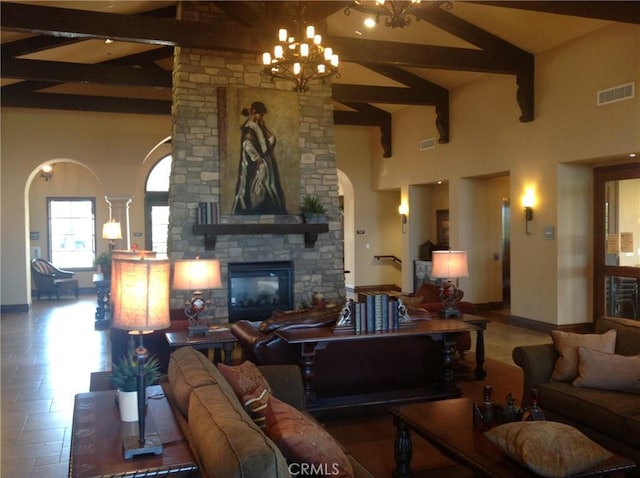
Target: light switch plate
x,y
549,233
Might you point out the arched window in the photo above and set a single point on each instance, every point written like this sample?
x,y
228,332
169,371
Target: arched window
x,y
156,206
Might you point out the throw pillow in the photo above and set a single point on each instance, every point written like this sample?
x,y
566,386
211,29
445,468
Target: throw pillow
x,y
245,378
309,449
608,371
251,388
567,343
548,449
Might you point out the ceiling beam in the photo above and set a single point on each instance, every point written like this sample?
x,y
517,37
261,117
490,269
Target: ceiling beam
x,y
368,115
381,94
440,94
422,56
65,72
70,23
615,11
101,104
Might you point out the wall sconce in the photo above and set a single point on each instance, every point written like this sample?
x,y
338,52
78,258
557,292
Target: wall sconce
x,y
403,210
46,172
528,201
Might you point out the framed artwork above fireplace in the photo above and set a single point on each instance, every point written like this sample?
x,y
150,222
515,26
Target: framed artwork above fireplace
x,y
259,151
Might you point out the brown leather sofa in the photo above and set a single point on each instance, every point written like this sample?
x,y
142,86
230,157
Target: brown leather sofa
x,y
343,368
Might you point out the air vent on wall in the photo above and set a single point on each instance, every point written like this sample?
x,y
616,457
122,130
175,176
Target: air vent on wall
x,y
617,93
427,144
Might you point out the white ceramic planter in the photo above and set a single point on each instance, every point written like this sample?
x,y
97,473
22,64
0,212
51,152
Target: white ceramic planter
x,y
128,404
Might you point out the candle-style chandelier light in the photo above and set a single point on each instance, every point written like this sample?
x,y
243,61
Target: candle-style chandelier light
x,y
396,11
300,57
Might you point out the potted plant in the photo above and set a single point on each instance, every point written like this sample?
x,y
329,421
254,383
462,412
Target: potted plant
x,y
104,262
313,211
124,379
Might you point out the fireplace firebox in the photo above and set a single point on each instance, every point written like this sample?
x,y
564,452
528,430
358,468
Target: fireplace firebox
x,y
257,289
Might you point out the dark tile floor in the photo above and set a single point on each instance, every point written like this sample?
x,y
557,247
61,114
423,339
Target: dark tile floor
x,y
46,357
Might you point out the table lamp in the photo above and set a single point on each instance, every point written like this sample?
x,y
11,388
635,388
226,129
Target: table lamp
x,y
140,293
111,231
196,275
448,265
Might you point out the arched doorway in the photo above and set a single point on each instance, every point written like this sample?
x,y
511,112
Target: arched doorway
x,y
156,207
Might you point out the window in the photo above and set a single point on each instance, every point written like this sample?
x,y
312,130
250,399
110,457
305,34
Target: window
x,y
157,206
72,232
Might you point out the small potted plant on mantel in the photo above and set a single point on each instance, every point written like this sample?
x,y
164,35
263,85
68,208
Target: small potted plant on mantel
x,y
124,378
313,211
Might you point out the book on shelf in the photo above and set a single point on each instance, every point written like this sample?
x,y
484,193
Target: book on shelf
x,y
208,213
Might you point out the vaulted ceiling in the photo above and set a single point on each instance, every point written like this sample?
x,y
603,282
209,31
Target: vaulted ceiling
x,y
54,53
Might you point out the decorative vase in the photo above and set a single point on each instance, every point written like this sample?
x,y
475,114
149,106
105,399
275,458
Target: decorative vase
x,y
128,405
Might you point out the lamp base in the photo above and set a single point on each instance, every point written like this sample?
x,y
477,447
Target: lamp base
x,y
449,313
132,447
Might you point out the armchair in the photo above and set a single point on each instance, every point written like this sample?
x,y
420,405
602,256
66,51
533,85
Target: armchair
x,y
50,280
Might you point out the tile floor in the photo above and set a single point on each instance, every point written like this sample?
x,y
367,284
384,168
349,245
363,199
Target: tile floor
x,y
46,357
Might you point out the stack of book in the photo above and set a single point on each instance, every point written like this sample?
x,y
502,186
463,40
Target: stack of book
x,y
376,313
208,213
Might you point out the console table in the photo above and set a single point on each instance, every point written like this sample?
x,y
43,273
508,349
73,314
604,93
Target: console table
x,y
313,339
96,439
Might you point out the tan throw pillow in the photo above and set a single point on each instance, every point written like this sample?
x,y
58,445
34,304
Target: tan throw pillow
x,y
308,447
608,371
549,449
567,343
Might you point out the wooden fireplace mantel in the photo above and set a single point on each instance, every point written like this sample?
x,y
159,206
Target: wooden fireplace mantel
x,y
212,231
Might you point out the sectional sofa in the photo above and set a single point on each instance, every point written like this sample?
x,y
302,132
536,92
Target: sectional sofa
x,y
605,402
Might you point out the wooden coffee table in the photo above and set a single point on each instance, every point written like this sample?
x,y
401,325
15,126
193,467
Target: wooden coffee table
x,y
97,432
219,338
448,426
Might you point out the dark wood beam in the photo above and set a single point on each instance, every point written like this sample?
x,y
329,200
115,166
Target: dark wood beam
x,y
616,11
471,33
65,72
99,104
440,94
69,23
421,56
368,115
381,94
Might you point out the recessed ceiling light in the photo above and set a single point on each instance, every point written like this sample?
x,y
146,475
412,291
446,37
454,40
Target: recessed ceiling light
x,y
632,155
369,22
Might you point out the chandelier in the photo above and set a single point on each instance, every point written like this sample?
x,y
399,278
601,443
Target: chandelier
x,y
300,58
396,11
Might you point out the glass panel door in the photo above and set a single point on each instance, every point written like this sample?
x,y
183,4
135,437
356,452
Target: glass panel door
x,y
617,241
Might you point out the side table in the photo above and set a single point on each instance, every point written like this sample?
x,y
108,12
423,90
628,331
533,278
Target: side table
x,y
96,439
219,338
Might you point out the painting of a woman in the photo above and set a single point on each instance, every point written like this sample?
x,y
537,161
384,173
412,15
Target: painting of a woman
x,y
258,188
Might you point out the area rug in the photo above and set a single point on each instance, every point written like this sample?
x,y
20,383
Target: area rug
x,y
370,438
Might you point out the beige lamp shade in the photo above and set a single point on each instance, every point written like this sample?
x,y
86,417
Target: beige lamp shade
x,y
111,230
449,264
197,274
140,294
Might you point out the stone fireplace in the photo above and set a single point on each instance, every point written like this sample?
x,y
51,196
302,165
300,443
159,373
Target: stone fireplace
x,y
197,129
257,289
